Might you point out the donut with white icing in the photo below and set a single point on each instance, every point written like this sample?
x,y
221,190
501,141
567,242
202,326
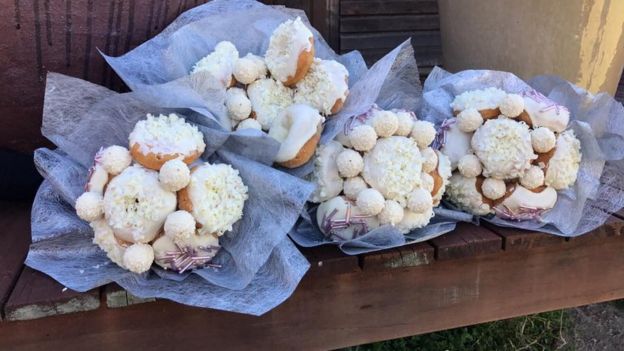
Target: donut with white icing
x,y
98,176
219,63
136,205
525,204
561,165
158,139
440,176
195,252
215,196
340,219
291,52
325,87
268,99
486,101
463,193
249,68
328,182
298,128
540,111
456,145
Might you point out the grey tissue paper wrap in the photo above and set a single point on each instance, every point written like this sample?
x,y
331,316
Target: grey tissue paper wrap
x,y
392,82
260,266
597,123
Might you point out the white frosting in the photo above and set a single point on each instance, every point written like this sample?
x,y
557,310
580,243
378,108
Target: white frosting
x,y
204,246
457,144
350,163
363,138
384,122
268,99
393,166
218,196
493,188
337,210
370,202
89,206
167,135
405,121
323,85
469,166
522,199
135,205
483,99
430,159
237,103
392,213
138,258
104,237
532,178
512,105
180,225
543,139
423,132
249,69
563,167
412,220
286,44
545,112
97,179
353,186
463,192
249,123
469,120
293,128
115,159
504,148
326,176
219,63
174,175
444,171
419,200
426,181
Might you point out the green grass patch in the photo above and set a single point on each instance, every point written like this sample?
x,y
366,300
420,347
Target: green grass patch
x,y
544,331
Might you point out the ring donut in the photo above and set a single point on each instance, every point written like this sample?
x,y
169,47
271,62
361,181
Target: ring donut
x,y
325,87
328,181
340,219
486,101
291,52
540,111
523,203
219,63
298,128
268,98
156,140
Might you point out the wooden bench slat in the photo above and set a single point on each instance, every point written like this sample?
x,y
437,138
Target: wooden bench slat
x,y
425,56
15,229
406,256
387,7
387,40
466,241
37,295
329,260
518,239
385,23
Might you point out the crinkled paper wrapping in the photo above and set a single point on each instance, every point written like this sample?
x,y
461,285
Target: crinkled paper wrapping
x,y
392,82
597,123
260,266
158,70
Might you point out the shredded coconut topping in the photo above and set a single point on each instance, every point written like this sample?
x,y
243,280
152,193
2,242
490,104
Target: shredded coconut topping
x,y
219,63
483,99
268,99
563,167
323,85
287,41
164,135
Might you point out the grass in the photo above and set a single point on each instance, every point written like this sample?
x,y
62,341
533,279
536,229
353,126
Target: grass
x,y
544,331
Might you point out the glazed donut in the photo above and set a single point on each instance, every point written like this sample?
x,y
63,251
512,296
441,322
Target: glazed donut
x,y
339,219
291,52
268,99
440,176
393,166
215,196
457,144
298,128
98,176
540,111
136,206
562,163
195,252
219,63
325,86
326,176
486,101
525,204
250,68
156,140
463,193
504,148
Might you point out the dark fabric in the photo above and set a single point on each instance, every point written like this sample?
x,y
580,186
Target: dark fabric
x,y
19,178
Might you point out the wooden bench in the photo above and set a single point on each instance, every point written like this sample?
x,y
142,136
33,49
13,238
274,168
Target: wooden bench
x,y
471,275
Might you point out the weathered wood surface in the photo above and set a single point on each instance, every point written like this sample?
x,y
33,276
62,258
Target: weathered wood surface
x,y
338,310
466,241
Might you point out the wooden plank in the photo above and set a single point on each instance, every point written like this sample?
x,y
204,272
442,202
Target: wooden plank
x,y
614,226
329,260
385,23
36,295
425,56
333,13
357,308
518,239
466,241
387,7
117,297
384,40
15,234
406,256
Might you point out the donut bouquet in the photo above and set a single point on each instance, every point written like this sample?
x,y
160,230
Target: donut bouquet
x,y
287,93
524,155
146,206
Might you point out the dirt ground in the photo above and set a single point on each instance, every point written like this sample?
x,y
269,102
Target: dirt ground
x,y
597,327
